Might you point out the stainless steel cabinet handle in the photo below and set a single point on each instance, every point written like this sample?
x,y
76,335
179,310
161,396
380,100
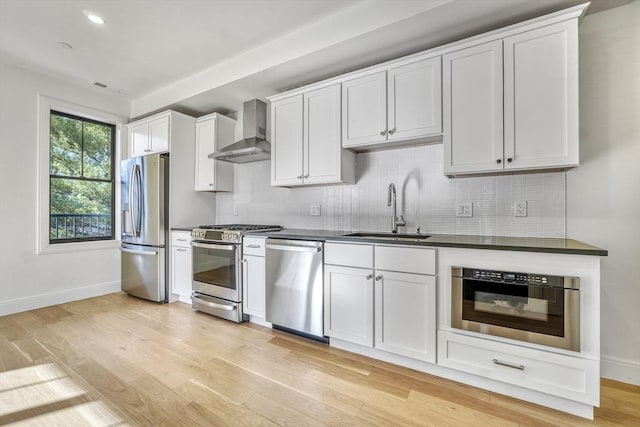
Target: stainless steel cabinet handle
x,y
498,161
509,365
181,240
510,159
293,248
306,176
133,251
254,246
212,246
370,276
299,177
210,185
213,304
392,131
378,278
383,133
181,250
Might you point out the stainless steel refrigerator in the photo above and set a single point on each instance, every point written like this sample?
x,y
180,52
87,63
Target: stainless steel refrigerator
x,y
144,209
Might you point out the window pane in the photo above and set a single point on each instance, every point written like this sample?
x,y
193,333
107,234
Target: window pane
x,y
97,151
66,146
80,209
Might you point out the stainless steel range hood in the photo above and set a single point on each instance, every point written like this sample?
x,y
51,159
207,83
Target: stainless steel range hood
x,y
254,146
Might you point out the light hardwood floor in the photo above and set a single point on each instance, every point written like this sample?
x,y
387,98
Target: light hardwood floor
x,y
118,360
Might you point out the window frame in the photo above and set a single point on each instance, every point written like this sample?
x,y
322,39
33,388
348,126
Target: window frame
x,y
46,105
112,180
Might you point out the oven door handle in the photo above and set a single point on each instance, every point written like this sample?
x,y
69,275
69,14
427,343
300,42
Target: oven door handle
x,y
213,304
213,246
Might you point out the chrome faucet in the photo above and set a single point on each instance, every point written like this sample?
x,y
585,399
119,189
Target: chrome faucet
x,y
395,222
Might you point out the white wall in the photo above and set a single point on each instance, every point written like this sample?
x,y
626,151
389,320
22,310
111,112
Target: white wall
x,y
426,198
28,280
603,194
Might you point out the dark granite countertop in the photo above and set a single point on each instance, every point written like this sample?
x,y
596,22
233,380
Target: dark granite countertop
x,y
523,244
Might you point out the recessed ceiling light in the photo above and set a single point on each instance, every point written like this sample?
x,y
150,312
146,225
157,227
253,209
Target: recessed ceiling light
x,y
96,19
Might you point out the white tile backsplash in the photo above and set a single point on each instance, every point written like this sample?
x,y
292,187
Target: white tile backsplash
x,y
426,198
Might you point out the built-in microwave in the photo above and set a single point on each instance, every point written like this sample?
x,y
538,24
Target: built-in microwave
x,y
537,308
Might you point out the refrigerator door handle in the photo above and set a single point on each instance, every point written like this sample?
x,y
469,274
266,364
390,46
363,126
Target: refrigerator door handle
x,y
133,251
135,196
130,203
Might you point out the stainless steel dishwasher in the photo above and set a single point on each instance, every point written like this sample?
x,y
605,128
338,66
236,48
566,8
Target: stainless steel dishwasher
x,y
294,286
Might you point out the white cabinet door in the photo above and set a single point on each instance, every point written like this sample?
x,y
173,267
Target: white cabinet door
x,y
473,109
253,282
364,110
159,135
322,136
181,273
541,97
205,145
139,139
286,141
405,314
348,304
414,96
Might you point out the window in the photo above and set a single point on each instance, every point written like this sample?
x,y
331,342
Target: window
x,y
81,179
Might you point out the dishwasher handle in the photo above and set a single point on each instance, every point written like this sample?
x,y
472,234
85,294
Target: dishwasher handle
x,y
294,248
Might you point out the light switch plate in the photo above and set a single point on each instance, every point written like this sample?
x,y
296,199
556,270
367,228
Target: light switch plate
x,y
520,208
464,209
315,210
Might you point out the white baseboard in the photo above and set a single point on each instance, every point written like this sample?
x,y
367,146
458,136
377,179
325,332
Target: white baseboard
x,y
60,297
626,371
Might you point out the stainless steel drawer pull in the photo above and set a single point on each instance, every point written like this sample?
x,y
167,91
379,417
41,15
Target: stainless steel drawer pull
x,y
213,304
181,250
181,240
145,253
254,246
293,248
508,365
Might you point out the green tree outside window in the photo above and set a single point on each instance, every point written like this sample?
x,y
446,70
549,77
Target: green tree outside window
x,y
81,180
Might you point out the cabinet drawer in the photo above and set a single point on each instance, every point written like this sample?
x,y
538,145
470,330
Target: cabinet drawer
x,y
560,375
181,239
406,260
347,254
253,246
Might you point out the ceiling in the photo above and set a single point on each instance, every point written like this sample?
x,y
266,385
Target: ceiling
x,y
199,56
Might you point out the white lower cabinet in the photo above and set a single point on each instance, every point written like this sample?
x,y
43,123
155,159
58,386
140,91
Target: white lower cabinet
x,y
253,276
348,296
399,306
181,266
559,375
405,321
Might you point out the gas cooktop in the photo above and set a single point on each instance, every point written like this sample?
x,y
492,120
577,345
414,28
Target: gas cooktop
x,y
228,233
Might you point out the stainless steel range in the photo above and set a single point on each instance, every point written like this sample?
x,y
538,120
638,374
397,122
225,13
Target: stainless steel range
x,y
217,268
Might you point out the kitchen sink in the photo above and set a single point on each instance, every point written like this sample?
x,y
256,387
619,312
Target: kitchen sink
x,y
390,236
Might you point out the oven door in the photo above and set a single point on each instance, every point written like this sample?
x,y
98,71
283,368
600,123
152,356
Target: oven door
x,y
216,270
538,314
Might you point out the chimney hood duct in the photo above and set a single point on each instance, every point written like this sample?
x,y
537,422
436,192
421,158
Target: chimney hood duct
x,y
254,146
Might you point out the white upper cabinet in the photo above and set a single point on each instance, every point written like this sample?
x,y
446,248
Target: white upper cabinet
x,y
286,141
364,110
156,133
213,132
472,104
149,136
306,141
414,94
399,104
512,104
541,97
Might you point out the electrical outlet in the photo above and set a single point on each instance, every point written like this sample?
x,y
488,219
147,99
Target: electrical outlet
x,y
315,210
520,208
464,209
236,210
